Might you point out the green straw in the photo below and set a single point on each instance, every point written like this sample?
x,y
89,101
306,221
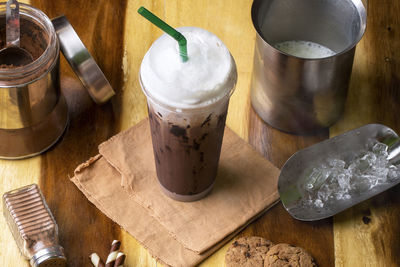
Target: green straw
x,y
168,30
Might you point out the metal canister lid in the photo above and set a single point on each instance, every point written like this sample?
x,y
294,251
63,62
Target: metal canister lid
x,y
82,62
49,257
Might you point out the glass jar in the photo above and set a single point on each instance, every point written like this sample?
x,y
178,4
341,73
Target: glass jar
x,y
33,112
33,226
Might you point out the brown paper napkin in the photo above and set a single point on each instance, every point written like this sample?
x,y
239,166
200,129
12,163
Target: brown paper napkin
x,y
174,232
245,186
108,196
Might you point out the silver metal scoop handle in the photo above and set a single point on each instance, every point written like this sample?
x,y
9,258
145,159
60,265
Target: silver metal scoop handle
x,y
12,23
394,152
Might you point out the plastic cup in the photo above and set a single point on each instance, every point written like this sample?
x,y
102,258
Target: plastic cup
x,y
187,142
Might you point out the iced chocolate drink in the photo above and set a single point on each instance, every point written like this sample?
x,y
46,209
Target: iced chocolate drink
x,y
188,104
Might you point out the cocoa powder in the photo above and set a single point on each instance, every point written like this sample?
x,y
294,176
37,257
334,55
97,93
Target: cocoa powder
x,y
33,37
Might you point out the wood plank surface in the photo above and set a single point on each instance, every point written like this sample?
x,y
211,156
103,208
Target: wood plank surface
x,y
82,226
367,235
277,225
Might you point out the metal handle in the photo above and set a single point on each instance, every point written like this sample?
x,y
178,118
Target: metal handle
x,y
12,23
394,151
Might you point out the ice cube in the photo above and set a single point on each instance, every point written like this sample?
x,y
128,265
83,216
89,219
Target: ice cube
x,y
337,163
393,173
343,180
363,164
369,157
380,149
318,203
360,183
380,174
370,179
326,192
352,168
332,180
346,196
317,177
381,162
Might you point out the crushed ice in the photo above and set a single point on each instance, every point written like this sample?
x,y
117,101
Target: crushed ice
x,y
337,179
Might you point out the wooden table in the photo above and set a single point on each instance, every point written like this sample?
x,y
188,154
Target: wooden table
x,y
366,235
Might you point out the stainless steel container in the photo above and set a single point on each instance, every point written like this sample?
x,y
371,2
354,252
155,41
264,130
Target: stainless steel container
x,y
302,95
33,112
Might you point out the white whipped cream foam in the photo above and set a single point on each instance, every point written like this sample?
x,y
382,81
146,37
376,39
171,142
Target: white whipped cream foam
x,y
208,75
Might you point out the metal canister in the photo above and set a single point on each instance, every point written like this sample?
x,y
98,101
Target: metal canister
x,y
303,95
33,112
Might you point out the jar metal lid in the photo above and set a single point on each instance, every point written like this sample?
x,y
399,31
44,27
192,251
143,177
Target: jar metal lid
x,y
50,256
82,62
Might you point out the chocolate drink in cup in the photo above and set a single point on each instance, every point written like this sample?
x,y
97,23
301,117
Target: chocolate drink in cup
x,y
187,103
186,149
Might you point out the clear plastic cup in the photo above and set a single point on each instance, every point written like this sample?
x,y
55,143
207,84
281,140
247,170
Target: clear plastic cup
x,y
187,142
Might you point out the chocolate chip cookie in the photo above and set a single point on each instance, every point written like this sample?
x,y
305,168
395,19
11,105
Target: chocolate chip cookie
x,y
285,255
247,251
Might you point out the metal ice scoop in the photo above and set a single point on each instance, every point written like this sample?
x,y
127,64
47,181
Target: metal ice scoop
x,y
340,187
12,54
